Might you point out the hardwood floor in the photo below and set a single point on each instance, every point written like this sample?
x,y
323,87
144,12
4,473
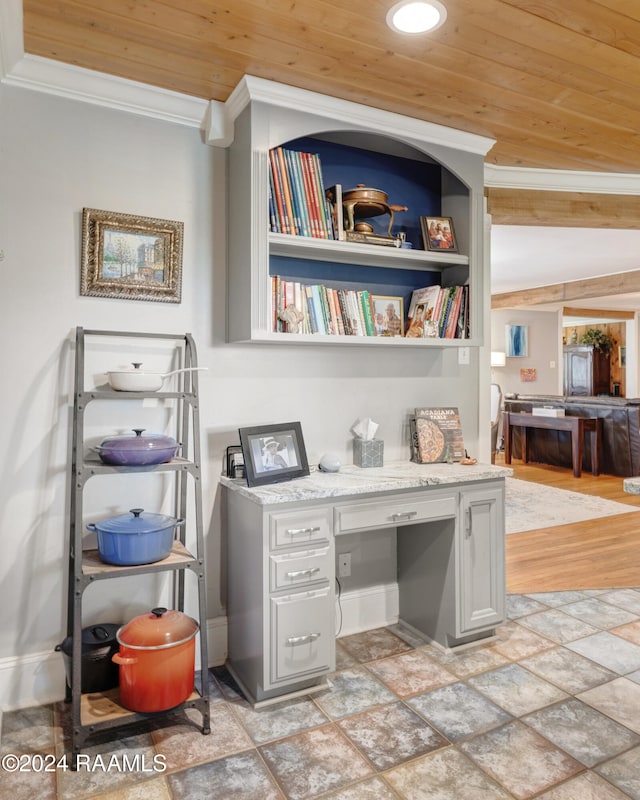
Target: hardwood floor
x,y
597,554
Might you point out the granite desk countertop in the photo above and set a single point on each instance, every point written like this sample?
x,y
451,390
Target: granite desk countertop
x,y
352,480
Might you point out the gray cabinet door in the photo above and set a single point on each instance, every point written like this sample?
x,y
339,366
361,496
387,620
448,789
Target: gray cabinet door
x,y
481,588
302,635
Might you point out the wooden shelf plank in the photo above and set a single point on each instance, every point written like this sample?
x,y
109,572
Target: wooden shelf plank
x,y
104,707
93,566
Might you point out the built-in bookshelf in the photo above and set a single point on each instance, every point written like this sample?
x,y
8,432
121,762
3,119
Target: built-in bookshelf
x,y
297,236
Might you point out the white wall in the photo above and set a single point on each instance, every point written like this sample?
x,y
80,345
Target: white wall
x,y
545,349
58,156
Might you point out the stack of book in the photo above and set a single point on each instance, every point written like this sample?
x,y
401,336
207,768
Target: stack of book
x,y
338,312
439,312
297,201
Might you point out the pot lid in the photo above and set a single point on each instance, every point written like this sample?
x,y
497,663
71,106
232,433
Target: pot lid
x,y
156,629
95,637
99,634
137,442
362,188
134,369
135,522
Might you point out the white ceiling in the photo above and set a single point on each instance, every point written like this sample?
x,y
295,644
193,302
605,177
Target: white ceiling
x,y
524,257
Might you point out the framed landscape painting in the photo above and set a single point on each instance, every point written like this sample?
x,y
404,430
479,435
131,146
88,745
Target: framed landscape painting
x,y
130,257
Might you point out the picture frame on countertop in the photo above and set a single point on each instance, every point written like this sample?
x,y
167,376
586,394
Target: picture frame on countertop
x,y
273,453
235,462
388,315
129,257
438,234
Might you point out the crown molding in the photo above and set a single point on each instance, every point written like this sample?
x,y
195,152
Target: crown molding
x,y
558,180
65,80
76,83
251,88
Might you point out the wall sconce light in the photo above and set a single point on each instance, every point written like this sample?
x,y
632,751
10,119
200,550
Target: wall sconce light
x,y
498,358
416,16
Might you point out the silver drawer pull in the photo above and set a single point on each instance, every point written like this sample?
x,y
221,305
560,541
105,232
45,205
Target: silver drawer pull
x,y
404,515
301,531
308,637
300,572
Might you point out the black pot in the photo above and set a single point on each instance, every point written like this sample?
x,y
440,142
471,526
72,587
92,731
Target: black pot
x,y
99,643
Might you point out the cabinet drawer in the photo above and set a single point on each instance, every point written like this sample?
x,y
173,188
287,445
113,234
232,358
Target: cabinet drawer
x,y
300,527
299,568
393,513
301,634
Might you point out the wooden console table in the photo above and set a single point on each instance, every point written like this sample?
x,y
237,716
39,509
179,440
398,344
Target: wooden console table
x,y
577,426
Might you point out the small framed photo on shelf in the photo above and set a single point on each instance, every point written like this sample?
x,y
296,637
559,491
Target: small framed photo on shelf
x,y
273,453
388,315
128,257
438,234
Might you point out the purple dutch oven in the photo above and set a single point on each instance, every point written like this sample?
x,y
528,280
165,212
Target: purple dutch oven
x,y
137,450
135,538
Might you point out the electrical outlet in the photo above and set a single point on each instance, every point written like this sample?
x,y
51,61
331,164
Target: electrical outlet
x,y
464,355
344,565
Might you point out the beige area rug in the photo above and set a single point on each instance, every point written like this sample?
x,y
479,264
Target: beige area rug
x,y
529,506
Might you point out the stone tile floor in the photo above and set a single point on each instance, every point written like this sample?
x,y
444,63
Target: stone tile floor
x,y
549,710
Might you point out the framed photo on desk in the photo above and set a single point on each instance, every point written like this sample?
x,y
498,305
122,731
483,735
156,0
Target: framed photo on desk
x,y
273,453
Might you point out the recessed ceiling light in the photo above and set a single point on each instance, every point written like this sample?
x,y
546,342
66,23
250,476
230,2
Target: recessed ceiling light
x,y
416,16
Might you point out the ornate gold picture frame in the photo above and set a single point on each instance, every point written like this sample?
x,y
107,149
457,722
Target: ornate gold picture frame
x,y
130,257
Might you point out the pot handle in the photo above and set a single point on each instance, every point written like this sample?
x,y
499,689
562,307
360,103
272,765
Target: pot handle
x,y
180,521
100,633
118,659
183,369
91,526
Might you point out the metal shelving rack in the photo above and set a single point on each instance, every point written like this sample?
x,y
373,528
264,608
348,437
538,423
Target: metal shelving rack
x,y
97,713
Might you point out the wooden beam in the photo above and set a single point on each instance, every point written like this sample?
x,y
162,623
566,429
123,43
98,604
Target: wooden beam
x,y
612,313
620,283
563,209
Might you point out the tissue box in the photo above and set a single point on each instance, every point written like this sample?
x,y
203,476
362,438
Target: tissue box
x,y
546,411
368,452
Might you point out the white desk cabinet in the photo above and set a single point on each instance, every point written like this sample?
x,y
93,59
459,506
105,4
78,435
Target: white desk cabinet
x,y
281,564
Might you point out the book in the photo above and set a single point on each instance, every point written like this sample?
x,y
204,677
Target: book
x,y
421,310
278,192
334,198
298,197
286,191
438,435
452,322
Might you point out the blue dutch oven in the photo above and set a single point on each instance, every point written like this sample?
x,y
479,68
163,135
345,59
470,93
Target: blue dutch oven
x,y
135,538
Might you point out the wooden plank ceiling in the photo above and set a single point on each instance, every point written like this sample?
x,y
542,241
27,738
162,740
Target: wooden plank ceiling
x,y
556,84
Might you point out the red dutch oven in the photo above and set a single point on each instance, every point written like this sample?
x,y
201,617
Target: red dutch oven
x,y
157,660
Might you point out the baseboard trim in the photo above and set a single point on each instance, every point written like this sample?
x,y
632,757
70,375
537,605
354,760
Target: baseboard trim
x,y
364,609
39,678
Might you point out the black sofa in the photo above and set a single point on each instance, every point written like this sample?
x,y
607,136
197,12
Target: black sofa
x,y
620,453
